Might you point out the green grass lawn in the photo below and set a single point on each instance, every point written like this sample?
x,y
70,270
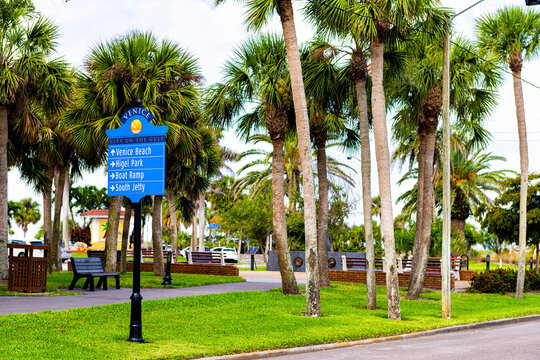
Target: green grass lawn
x,y
481,266
198,326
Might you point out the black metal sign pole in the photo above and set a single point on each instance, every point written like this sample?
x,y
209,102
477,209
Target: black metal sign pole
x,y
135,327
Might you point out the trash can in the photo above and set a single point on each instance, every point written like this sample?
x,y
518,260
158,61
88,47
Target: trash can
x,y
28,270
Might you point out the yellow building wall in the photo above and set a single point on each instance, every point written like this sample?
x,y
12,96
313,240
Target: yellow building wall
x,y
99,243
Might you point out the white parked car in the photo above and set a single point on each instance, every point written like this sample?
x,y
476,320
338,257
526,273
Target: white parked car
x,y
230,254
187,249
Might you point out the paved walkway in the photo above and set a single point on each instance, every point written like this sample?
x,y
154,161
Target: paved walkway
x,y
255,281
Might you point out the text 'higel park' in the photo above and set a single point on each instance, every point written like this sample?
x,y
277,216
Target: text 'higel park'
x,y
134,163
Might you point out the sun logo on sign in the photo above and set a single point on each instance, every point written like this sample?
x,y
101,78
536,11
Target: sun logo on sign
x,y
136,126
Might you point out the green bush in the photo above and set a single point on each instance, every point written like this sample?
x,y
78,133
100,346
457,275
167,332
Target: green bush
x,y
502,281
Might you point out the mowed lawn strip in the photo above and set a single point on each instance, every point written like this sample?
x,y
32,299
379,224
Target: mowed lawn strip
x,y
207,325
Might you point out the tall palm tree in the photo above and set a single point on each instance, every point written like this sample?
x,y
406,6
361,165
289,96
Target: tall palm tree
x,y
259,74
135,66
327,95
258,13
26,40
512,35
418,96
338,24
380,18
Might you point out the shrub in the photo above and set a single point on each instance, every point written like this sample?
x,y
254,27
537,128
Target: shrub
x,y
81,234
502,281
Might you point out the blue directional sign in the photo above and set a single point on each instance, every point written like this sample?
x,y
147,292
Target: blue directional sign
x,y
213,226
136,163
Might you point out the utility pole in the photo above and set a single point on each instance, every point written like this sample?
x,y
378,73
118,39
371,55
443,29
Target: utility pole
x,y
447,204
445,266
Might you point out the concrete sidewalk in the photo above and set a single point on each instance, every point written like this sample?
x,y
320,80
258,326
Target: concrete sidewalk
x,y
255,281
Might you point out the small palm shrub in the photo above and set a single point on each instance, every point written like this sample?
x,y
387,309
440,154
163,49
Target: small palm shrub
x,y
502,281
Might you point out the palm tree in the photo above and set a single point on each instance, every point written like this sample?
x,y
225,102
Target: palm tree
x,y
26,40
327,93
259,179
136,66
470,181
258,13
512,35
259,74
27,212
338,24
379,18
418,96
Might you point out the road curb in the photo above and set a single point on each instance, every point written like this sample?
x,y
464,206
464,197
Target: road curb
x,y
321,347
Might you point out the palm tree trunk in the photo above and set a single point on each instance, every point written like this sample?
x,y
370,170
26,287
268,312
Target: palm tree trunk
x,y
66,210
54,259
524,164
111,239
365,157
47,221
4,230
193,243
537,254
288,280
174,221
156,236
125,235
422,239
322,222
313,304
202,221
458,227
382,156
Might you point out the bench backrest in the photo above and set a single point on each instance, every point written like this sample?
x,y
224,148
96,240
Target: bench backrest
x,y
404,265
86,265
150,254
361,263
205,257
101,254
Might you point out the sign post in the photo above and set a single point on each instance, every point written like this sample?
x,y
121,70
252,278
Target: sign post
x,y
136,168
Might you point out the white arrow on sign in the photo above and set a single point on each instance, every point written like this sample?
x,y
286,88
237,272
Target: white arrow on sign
x,y
112,187
112,176
112,152
112,164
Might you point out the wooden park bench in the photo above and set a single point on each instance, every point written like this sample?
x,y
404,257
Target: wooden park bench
x,y
403,265
91,268
205,257
149,254
101,254
349,263
433,265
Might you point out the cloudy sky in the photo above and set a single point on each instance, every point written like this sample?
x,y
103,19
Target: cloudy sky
x,y
210,34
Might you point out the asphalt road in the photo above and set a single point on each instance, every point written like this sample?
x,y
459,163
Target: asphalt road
x,y
515,341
